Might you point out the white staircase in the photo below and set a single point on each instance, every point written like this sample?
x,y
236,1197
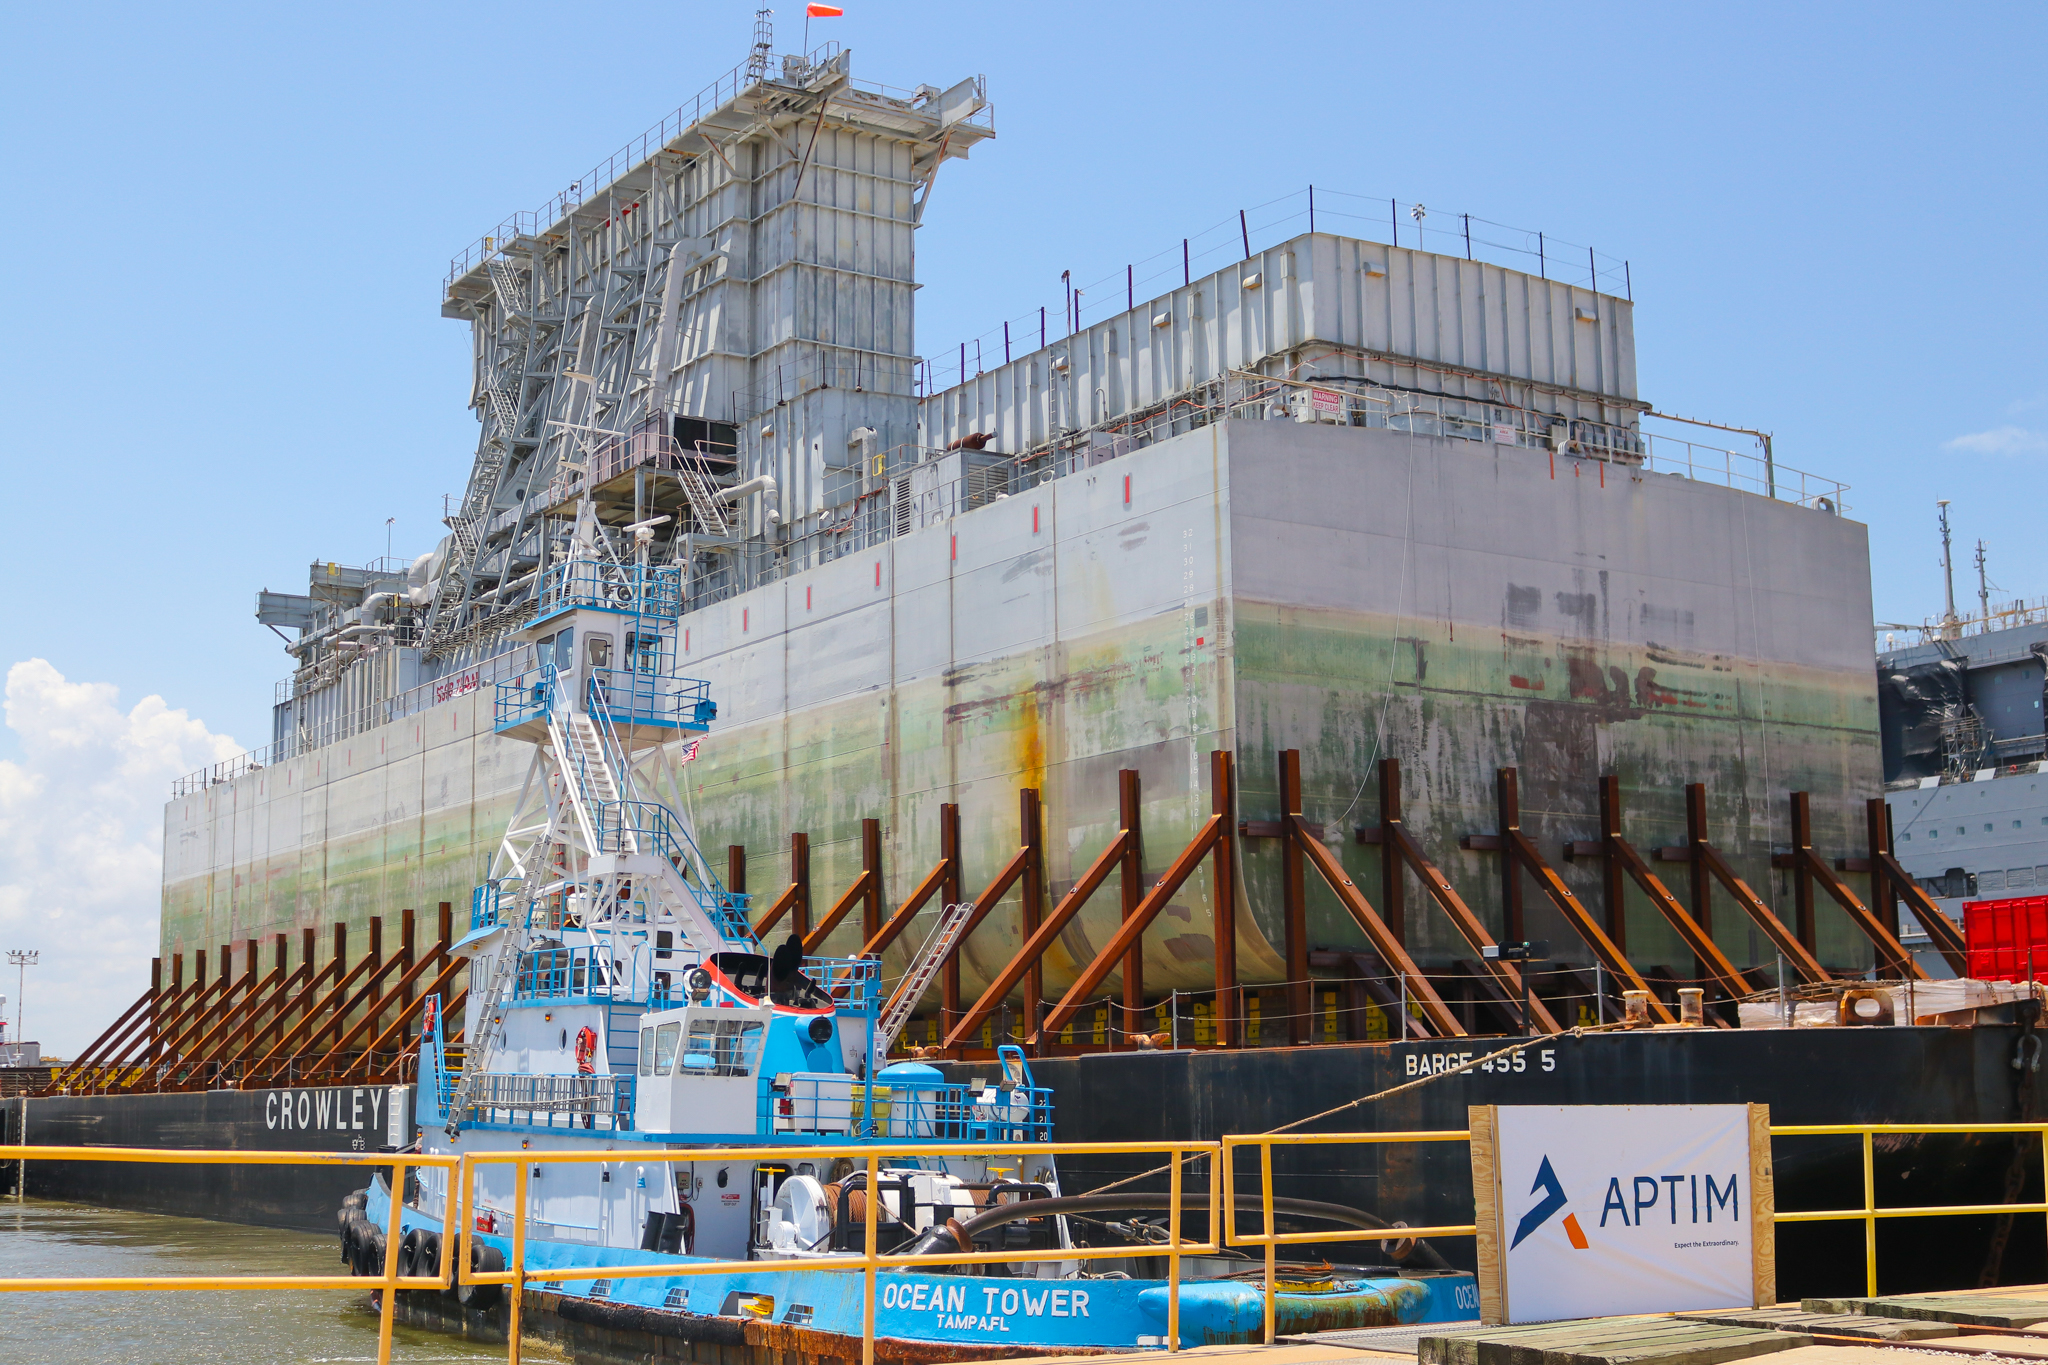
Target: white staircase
x,y
505,283
587,769
705,505
923,967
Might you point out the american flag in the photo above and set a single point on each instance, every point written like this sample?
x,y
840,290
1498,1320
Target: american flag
x,y
689,751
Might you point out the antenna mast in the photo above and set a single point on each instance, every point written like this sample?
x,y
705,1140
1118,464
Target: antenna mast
x,y
1983,591
1948,576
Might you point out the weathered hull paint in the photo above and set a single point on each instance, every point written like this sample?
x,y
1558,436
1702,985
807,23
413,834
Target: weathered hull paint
x,y
1351,593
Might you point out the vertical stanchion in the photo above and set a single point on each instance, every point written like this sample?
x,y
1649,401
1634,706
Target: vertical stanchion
x,y
867,1311
392,1237
1869,1217
1266,1209
517,1289
1172,1256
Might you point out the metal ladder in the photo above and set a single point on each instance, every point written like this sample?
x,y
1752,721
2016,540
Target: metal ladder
x,y
476,1052
505,283
704,502
941,941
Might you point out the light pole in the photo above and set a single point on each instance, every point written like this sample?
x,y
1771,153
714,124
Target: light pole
x,y
21,960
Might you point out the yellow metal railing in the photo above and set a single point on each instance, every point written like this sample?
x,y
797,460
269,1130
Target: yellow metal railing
x,y
390,1280
1271,1238
1870,1212
460,1206
870,1262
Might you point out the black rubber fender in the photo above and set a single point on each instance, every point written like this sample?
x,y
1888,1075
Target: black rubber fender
x,y
426,1255
489,1260
370,1252
409,1254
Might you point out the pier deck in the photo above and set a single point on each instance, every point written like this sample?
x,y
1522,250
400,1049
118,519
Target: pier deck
x,y
2009,1324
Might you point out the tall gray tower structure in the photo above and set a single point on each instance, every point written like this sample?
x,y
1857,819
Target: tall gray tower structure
x,y
716,325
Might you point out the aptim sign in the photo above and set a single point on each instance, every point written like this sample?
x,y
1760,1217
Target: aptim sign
x,y
1596,1210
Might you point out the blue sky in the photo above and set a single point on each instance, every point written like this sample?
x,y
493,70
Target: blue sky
x,y
224,357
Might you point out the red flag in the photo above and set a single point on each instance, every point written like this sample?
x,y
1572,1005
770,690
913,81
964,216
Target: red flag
x,y
823,12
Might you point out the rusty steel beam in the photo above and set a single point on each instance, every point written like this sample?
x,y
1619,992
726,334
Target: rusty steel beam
x,y
1031,899
316,1012
1808,867
1294,904
1519,854
1033,950
1131,931
366,1059
894,926
1717,966
871,865
1225,1008
135,1016
274,990
949,894
298,1004
857,893
1398,847
288,993
205,997
1130,893
1435,1012
776,909
213,1046
1897,883
398,994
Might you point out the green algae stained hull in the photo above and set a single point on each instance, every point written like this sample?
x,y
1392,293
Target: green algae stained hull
x,y
1351,593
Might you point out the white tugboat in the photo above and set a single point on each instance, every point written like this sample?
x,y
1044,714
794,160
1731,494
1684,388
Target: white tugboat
x,y
625,1005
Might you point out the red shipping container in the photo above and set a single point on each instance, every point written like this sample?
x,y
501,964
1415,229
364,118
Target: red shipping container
x,y
2004,936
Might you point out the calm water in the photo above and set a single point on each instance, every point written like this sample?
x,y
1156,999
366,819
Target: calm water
x,y
258,1327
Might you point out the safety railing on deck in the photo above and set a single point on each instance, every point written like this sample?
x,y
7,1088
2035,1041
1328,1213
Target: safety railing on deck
x,y
1270,1238
528,696
388,1279
598,1103
583,973
1870,1213
634,589
628,696
871,1260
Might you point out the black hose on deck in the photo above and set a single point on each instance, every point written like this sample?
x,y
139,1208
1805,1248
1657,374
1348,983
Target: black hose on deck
x,y
935,1239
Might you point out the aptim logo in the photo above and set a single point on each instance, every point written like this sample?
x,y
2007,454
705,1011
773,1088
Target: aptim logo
x,y
1553,1199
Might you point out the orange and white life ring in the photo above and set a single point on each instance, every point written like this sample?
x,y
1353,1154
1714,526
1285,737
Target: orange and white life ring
x,y
586,1049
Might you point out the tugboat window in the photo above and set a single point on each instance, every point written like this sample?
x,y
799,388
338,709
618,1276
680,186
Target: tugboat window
x,y
665,1040
647,1052
600,649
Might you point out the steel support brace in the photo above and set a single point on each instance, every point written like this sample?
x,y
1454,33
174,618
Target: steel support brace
x,y
1130,893
1032,953
1809,867
934,880
1398,847
1225,1008
1435,1013
1622,858
1519,854
1294,902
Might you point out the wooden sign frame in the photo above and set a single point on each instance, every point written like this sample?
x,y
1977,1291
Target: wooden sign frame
x,y
1483,1120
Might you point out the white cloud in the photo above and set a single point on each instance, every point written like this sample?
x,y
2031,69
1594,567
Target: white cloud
x,y
2006,440
81,845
